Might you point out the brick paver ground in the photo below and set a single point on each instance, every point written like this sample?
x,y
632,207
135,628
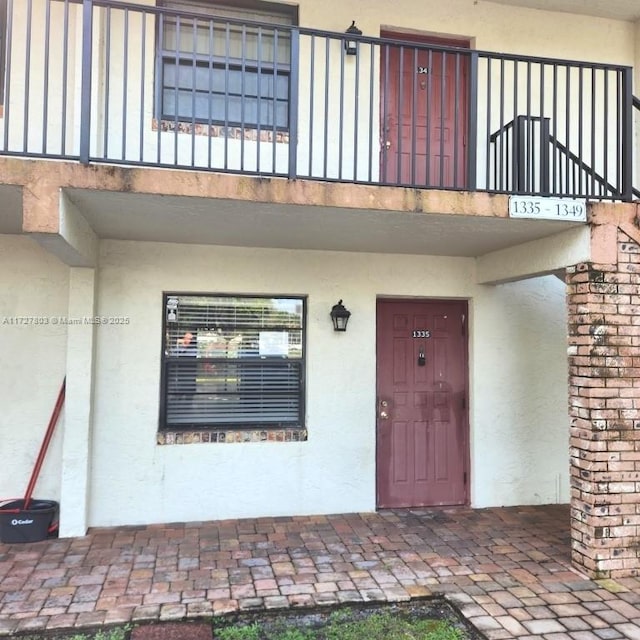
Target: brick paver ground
x,y
507,570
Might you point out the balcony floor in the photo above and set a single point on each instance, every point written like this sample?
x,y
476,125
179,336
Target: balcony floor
x,y
155,205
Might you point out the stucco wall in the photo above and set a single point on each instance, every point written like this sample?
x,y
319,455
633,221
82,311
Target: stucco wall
x,y
33,289
520,437
494,27
518,386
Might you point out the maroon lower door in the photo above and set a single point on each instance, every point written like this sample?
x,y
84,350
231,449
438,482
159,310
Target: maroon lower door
x,y
422,419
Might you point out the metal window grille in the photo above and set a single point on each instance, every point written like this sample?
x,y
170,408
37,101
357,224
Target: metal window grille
x,y
220,71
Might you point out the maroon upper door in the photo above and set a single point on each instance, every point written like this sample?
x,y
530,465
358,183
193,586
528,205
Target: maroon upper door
x,y
422,424
424,114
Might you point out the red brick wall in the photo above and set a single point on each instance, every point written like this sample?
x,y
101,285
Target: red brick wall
x,y
604,404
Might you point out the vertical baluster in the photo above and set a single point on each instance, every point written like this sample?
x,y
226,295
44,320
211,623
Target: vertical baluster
x,y
356,114
107,83
125,84
371,116
259,97
605,128
176,90
243,80
194,88
85,100
312,83
65,76
443,94
294,81
341,114
385,124
398,140
326,107
27,79
456,122
45,106
210,95
414,118
227,47
159,95
143,77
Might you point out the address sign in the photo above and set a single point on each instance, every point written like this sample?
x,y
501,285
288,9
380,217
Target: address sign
x,y
574,210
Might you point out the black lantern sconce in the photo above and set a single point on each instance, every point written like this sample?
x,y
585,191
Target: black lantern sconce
x,y
340,316
350,43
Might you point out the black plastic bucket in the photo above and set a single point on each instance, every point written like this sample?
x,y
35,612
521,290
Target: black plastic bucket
x,y
18,524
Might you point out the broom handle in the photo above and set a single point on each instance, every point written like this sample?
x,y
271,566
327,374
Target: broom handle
x,y
45,444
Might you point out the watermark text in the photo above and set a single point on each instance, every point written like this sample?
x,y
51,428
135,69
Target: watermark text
x,y
25,321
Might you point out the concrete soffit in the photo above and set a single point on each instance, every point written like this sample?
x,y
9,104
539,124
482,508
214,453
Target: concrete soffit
x,y
540,257
75,244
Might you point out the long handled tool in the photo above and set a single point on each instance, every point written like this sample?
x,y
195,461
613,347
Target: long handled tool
x,y
45,444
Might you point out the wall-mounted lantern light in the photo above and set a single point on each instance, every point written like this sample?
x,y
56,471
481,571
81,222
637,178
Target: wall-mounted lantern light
x,y
350,43
340,316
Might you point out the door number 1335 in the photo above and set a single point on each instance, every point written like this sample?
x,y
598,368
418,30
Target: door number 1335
x,y
421,333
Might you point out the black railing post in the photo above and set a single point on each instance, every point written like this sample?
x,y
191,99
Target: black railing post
x,y
294,77
6,87
545,164
519,150
6,13
472,127
627,135
85,96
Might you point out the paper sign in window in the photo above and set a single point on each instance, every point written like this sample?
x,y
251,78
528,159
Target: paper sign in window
x,y
274,343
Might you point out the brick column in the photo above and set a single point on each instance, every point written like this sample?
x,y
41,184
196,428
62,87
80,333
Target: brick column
x,y
604,405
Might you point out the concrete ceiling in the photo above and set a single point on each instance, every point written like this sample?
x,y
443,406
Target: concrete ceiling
x,y
616,9
126,216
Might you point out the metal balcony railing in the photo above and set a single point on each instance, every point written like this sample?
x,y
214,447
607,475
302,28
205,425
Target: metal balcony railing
x,y
528,158
103,81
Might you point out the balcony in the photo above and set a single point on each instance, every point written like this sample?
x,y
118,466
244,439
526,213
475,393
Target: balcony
x,y
103,81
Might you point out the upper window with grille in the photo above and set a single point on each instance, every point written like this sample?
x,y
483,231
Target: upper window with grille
x,y
225,64
232,361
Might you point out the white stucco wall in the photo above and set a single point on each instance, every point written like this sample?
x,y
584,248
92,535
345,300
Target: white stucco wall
x,y
519,424
520,436
33,288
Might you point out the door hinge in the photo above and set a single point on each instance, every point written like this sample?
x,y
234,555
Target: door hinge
x,y
463,401
464,477
464,326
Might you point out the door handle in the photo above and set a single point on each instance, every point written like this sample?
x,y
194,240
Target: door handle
x,y
387,144
384,415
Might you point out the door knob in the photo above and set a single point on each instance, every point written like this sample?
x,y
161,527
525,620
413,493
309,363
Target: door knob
x,y
384,415
387,144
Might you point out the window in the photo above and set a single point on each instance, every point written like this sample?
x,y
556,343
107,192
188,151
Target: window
x,y
220,70
232,361
3,46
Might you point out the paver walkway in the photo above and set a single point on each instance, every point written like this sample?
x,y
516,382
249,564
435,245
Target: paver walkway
x,y
507,570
